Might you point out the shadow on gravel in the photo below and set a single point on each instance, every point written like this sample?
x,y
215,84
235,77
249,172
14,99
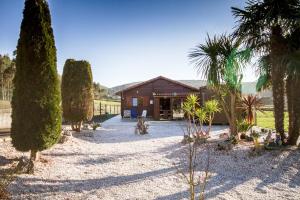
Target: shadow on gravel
x,y
234,168
40,186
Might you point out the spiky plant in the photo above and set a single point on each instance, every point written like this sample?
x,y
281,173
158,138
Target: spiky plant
x,y
201,115
251,104
211,107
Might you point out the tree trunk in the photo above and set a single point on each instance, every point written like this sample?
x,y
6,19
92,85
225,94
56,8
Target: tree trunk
x,y
73,126
34,155
226,108
209,123
278,48
293,95
79,124
233,126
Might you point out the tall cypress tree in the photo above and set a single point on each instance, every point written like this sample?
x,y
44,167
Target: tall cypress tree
x,y
36,112
77,92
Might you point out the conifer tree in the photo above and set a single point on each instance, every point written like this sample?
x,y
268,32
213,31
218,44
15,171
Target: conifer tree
x,y
36,111
77,92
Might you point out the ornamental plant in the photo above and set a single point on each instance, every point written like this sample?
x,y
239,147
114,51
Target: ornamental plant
x,y
77,92
36,112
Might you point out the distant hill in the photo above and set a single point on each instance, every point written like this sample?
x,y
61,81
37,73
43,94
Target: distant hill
x,y
114,90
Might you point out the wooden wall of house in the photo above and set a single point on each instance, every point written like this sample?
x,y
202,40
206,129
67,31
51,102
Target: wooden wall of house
x,y
145,92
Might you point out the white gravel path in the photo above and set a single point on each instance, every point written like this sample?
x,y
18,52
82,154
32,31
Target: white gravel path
x,y
117,164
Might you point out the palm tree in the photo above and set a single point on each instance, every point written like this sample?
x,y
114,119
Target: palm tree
x,y
211,107
262,25
221,60
293,85
264,70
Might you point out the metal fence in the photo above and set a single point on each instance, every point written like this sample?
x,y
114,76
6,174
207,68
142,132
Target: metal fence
x,y
106,108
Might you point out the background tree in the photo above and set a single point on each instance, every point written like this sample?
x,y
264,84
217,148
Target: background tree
x,y
100,92
7,71
220,61
77,92
263,25
36,112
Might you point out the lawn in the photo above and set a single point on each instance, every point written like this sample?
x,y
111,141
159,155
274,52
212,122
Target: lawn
x,y
266,120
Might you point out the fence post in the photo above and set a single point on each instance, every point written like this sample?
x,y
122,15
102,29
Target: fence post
x,y
93,108
100,108
105,109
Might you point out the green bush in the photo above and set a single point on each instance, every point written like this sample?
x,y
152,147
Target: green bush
x,y
77,92
36,112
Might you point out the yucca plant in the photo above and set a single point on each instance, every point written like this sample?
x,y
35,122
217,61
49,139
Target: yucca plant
x,y
201,115
194,112
251,104
211,107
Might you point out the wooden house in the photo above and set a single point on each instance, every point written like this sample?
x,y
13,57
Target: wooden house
x,y
161,97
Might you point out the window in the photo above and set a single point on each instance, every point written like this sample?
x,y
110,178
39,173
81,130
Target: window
x,y
134,102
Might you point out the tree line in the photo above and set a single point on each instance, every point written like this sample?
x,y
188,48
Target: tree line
x,y
7,72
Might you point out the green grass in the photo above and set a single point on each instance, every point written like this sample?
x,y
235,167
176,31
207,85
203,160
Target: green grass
x,y
266,120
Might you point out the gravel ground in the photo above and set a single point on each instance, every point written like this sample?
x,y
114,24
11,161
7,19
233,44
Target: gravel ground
x,y
117,164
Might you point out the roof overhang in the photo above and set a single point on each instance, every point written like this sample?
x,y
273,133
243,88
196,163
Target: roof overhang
x,y
154,79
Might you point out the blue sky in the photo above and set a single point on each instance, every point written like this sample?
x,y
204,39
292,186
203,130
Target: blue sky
x,y
127,40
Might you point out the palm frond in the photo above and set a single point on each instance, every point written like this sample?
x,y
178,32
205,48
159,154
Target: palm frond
x,y
264,70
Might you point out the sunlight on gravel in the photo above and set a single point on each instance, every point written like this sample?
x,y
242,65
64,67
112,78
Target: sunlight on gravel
x,y
117,164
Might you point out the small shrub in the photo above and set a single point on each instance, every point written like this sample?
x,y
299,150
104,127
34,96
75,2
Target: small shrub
x,y
85,127
233,140
255,135
95,125
224,146
243,126
187,139
141,127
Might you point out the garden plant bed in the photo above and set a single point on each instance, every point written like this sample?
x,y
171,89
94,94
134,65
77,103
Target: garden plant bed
x,y
118,164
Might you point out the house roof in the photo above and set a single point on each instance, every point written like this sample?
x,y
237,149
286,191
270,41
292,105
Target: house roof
x,y
154,79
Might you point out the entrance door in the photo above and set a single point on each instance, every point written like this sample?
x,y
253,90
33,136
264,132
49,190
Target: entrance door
x,y
156,109
165,111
